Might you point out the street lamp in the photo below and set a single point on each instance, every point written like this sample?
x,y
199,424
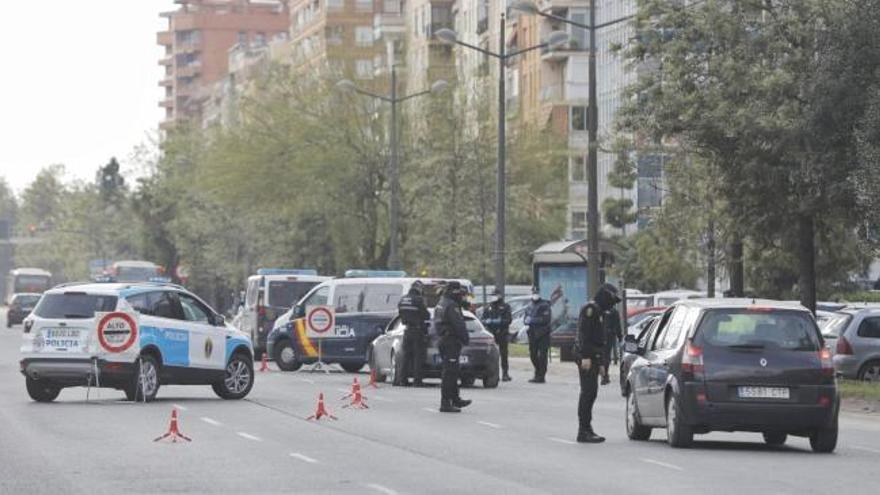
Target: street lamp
x,y
554,40
593,255
394,220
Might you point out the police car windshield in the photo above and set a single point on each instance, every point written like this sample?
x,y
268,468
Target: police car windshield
x,y
73,305
285,293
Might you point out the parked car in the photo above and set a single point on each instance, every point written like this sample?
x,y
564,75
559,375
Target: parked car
x,y
20,306
855,334
733,365
479,359
637,317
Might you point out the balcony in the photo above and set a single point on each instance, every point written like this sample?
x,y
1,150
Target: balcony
x,y
388,26
563,52
166,60
166,83
167,103
191,70
164,38
191,46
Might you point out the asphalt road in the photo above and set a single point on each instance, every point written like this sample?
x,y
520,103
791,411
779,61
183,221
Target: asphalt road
x,y
515,439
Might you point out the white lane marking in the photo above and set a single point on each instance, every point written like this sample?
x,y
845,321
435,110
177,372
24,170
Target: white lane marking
x,y
178,406
381,489
430,410
249,436
211,421
490,425
663,464
866,449
562,440
304,458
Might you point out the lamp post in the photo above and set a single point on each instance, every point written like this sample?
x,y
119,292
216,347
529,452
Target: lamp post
x,y
394,166
593,254
555,39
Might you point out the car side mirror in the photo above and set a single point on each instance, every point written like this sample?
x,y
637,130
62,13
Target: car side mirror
x,y
299,311
630,345
219,321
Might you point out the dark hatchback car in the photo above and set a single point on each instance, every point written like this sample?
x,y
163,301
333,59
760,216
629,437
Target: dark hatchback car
x,y
732,365
479,359
20,306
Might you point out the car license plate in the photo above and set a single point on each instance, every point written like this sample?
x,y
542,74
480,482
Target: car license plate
x,y
438,359
62,339
764,393
463,360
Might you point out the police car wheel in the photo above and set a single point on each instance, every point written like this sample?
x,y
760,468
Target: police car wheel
x,y
41,391
352,367
144,385
238,379
285,356
468,381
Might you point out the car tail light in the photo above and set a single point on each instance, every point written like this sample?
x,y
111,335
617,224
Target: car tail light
x,y
824,401
692,361
28,324
844,347
482,340
827,363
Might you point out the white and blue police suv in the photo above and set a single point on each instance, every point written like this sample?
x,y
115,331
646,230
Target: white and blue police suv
x,y
134,338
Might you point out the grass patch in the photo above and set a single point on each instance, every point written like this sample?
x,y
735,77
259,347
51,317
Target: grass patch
x,y
853,389
517,350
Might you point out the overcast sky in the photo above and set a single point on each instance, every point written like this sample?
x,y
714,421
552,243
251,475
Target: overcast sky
x,y
79,83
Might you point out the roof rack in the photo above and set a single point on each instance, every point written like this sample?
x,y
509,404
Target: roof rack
x,y
355,273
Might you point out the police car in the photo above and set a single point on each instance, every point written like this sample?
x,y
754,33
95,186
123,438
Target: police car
x,y
134,338
359,306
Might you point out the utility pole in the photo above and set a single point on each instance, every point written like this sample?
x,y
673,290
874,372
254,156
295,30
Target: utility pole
x,y
394,221
501,185
593,253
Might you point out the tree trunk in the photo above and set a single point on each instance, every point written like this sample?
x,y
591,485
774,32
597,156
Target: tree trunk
x,y
737,275
710,264
807,261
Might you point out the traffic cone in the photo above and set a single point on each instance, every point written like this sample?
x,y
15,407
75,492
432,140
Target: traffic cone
x,y
373,382
357,398
265,366
173,430
321,411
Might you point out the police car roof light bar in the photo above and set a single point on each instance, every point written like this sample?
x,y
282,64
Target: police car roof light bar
x,y
375,274
287,271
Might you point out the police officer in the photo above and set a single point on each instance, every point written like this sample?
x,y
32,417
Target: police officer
x,y
415,316
451,329
589,354
497,319
537,318
613,334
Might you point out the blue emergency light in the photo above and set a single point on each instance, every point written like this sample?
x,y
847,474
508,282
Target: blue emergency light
x,y
286,271
374,274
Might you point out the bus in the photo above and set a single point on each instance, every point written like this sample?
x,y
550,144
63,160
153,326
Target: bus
x,y
30,280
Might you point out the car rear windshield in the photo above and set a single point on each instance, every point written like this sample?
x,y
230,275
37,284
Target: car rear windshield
x,y
73,305
770,329
286,293
26,301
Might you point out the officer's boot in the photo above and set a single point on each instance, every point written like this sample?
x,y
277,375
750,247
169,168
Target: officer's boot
x,y
459,402
506,377
447,407
589,436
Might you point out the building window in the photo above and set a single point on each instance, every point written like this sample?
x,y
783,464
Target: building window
x,y
363,68
363,36
335,4
579,118
441,17
363,5
242,38
391,6
334,34
578,224
578,168
260,39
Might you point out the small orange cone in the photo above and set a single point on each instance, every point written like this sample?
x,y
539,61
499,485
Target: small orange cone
x,y
265,366
373,379
358,400
173,430
321,410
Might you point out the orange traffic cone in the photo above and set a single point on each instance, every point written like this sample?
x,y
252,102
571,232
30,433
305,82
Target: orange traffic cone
x,y
173,430
357,398
373,382
321,410
265,366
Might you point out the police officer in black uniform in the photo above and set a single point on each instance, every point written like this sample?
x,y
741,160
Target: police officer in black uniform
x,y
497,318
415,316
590,355
452,330
538,318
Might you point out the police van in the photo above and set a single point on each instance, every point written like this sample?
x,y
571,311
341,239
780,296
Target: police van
x,y
362,304
270,293
134,338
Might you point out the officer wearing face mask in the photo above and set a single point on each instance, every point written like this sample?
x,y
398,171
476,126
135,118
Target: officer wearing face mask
x,y
452,330
537,318
497,318
415,316
589,355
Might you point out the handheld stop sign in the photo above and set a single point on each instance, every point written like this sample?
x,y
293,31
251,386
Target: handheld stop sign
x,y
117,332
320,321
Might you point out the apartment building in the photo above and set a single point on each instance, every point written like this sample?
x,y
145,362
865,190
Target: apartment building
x,y
197,41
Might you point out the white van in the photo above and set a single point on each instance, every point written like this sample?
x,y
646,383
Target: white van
x,y
270,293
